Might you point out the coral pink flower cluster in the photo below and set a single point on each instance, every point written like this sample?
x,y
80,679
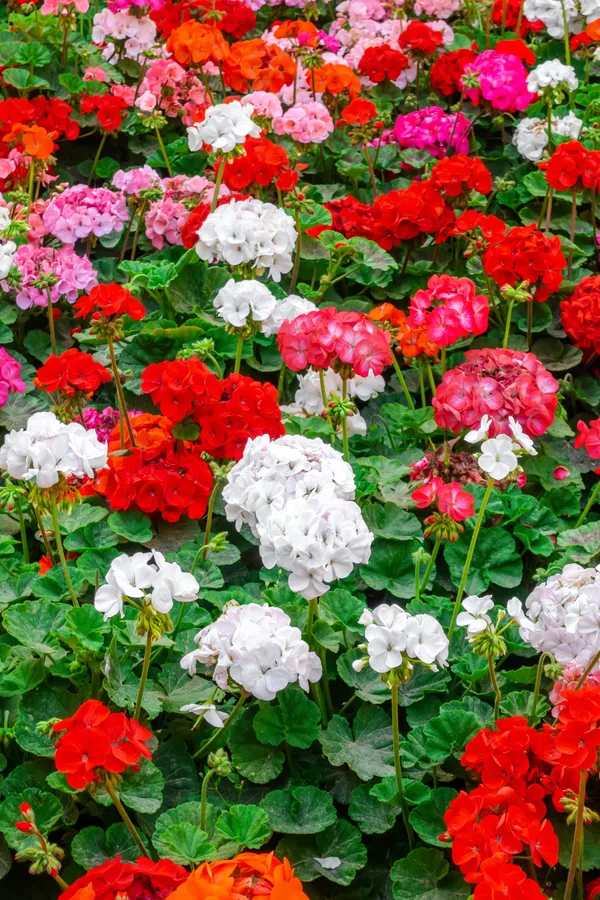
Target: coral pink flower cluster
x,y
172,89
326,338
433,130
451,499
73,273
502,81
81,211
10,378
133,181
450,308
167,215
589,438
307,123
497,383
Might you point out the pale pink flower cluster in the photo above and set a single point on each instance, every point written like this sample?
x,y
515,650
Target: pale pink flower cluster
x,y
56,7
81,211
433,130
132,181
307,123
502,81
172,89
123,34
95,73
442,9
10,378
264,103
166,216
75,274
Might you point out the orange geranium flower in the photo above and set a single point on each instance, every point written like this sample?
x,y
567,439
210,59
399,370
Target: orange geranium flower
x,y
152,437
194,42
246,875
37,142
258,65
86,893
291,29
335,79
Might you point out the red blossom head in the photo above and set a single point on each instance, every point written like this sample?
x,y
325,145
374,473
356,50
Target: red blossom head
x,y
109,300
420,39
382,63
580,315
142,880
573,168
71,373
589,437
526,254
459,174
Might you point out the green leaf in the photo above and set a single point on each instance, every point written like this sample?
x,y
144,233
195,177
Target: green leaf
x,y
97,536
301,810
366,748
187,844
132,525
386,791
33,54
495,560
372,816
423,875
46,807
427,818
422,681
519,703
141,791
39,706
340,607
247,826
252,759
93,846
367,684
391,568
26,676
295,720
336,853
81,516
387,521
87,627
33,623
172,843
448,733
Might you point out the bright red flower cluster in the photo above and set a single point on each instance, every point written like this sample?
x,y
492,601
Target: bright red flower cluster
x,y
589,437
160,475
450,308
382,63
451,499
418,210
526,254
142,879
262,162
109,110
479,229
498,383
73,373
580,315
108,300
573,168
420,39
456,175
505,815
95,739
237,19
51,114
448,69
229,412
327,338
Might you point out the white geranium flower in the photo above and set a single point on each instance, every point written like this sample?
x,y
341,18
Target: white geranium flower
x,y
478,434
426,640
514,608
238,300
475,617
7,251
552,75
520,437
209,713
144,575
224,127
392,635
498,459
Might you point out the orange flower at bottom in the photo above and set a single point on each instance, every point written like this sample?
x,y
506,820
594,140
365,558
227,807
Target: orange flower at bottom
x,y
246,875
86,893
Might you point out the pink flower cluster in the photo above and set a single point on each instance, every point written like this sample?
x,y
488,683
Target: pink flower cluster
x,y
264,103
81,211
325,337
589,438
10,378
103,421
75,274
497,383
307,123
54,7
451,309
132,34
166,216
132,181
502,81
172,89
451,499
433,130
442,9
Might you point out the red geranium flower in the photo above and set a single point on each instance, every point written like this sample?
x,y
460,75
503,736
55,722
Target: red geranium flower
x,y
448,69
359,112
459,174
143,880
72,373
420,39
526,254
109,300
382,63
110,110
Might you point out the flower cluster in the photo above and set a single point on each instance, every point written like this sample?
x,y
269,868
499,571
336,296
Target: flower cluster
x,y
123,34
530,137
109,302
327,338
451,501
565,611
499,384
73,374
433,130
245,876
450,309
95,741
10,378
45,272
502,81
241,302
573,168
102,421
526,254
307,123
48,448
308,399
552,77
225,127
262,163
447,71
398,640
256,648
580,315
81,211
129,578
457,175
296,496
114,879
249,233
229,413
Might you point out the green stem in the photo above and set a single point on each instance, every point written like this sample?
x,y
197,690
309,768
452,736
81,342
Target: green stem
x,y
588,505
576,837
421,383
24,543
443,361
281,381
218,181
587,671
430,377
572,231
398,765
212,359
430,564
326,690
119,388
418,577
203,795
495,685
62,883
51,321
238,354
315,686
538,686
345,424
144,675
402,381
371,171
568,61
469,559
97,156
507,327
61,552
529,323
125,816
209,518
164,152
219,732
